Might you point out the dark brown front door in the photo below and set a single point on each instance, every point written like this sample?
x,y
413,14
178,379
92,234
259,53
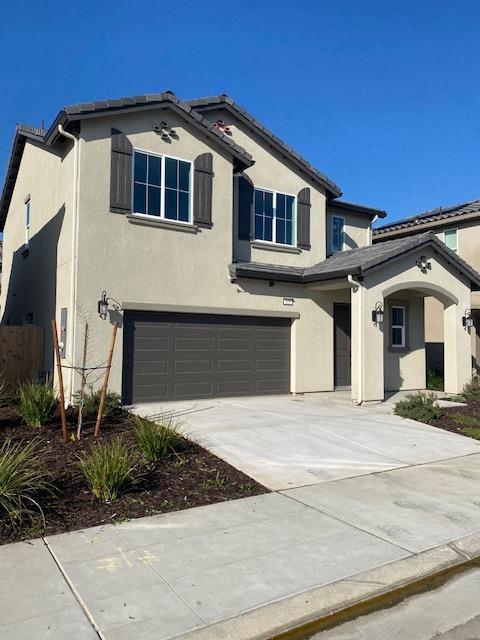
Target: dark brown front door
x,y
342,321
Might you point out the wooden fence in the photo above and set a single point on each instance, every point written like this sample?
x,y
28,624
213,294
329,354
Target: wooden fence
x,y
21,353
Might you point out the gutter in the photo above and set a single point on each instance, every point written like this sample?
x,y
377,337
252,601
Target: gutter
x,y
370,230
73,278
357,288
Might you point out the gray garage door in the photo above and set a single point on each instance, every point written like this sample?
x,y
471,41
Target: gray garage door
x,y
175,356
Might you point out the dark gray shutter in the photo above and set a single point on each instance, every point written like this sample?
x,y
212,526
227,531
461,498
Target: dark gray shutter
x,y
245,190
121,173
303,218
202,190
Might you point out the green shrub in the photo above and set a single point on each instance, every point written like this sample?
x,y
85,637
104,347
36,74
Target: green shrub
x,y
464,420
111,468
471,432
37,402
7,395
435,380
22,479
157,439
418,406
471,390
91,402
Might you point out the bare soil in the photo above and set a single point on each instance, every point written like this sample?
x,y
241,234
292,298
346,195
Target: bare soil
x,y
190,477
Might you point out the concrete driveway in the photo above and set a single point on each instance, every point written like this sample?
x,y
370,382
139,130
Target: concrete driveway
x,y
291,441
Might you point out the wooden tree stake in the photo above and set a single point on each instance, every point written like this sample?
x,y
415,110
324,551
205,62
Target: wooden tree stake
x,y
105,381
60,381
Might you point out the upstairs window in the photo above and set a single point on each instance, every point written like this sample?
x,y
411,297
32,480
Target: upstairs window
x,y
450,238
274,217
338,225
161,187
398,326
27,213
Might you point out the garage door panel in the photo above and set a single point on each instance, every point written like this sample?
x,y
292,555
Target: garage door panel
x,y
171,356
187,366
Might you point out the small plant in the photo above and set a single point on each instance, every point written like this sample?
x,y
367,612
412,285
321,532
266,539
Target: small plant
x,y
418,406
471,391
435,380
111,468
91,402
37,402
157,439
213,483
456,398
472,432
22,479
7,395
464,420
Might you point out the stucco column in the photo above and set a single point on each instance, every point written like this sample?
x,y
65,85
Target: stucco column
x,y
367,348
458,350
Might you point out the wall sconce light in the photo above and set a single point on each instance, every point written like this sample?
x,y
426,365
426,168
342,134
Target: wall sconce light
x,y
378,314
102,305
467,319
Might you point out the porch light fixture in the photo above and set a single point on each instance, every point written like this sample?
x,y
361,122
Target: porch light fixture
x,y
378,314
102,305
467,319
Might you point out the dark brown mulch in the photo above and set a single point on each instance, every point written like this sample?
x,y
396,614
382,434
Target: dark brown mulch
x,y
447,422
189,478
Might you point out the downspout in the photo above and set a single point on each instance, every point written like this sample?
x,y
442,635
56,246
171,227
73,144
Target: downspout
x,y
356,286
73,278
370,233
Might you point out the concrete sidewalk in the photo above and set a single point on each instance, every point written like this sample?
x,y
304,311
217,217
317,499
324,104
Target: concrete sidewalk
x,y
165,576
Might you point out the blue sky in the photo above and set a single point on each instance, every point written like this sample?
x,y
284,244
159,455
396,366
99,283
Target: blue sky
x,y
382,96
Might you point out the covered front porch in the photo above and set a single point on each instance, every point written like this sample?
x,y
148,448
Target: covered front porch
x,y
364,325
379,321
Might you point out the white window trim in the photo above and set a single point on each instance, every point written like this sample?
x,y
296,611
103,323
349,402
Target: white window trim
x,y
343,234
398,326
27,221
456,237
162,157
274,226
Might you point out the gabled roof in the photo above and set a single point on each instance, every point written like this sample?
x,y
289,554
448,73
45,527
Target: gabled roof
x,y
23,133
72,113
357,262
431,217
204,104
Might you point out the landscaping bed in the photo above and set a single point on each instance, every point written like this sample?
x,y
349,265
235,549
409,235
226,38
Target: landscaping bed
x,y
462,420
187,476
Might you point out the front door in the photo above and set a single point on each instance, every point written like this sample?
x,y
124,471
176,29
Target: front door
x,y
342,322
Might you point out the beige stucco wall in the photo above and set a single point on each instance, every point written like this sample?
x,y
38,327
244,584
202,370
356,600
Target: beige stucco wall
x,y
156,265
368,340
39,283
405,368
273,172
356,229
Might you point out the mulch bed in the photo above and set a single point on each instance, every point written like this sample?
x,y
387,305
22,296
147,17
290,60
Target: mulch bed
x,y
447,422
189,478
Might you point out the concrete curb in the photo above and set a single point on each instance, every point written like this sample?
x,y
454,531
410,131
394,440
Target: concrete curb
x,y
297,616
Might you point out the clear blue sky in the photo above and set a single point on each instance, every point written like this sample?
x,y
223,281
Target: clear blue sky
x,y
381,95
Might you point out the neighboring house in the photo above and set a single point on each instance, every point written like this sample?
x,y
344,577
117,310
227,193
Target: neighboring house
x,y
231,264
458,227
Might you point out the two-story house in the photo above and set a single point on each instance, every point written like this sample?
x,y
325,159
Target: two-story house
x,y
458,226
229,261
